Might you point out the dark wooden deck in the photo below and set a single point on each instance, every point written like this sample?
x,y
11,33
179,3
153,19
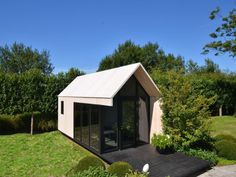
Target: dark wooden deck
x,y
174,165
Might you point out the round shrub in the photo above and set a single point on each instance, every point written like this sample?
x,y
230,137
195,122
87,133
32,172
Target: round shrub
x,y
86,162
225,137
226,149
120,169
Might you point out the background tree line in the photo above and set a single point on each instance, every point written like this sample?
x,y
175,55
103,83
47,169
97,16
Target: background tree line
x,y
28,86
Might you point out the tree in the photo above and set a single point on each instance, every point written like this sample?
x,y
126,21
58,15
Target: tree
x,y
210,67
192,67
185,112
224,35
150,55
19,58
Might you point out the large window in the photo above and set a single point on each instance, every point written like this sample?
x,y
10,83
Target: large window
x,y
143,115
94,128
77,121
87,125
110,127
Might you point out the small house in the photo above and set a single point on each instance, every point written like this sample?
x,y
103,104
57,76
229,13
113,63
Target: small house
x,y
111,110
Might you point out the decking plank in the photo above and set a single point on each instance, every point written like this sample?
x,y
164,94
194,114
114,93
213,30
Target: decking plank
x,y
174,165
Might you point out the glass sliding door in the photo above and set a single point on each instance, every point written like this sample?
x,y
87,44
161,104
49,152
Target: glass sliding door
x,y
77,121
143,116
87,125
128,125
94,128
109,116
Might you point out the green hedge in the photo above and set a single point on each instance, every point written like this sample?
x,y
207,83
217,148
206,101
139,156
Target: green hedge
x,y
32,91
209,156
21,122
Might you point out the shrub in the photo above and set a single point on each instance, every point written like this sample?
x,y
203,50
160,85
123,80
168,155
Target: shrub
x,y
136,174
162,141
86,162
226,149
185,112
21,122
92,172
120,168
225,137
211,157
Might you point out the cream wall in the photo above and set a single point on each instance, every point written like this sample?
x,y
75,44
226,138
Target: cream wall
x,y
156,116
65,121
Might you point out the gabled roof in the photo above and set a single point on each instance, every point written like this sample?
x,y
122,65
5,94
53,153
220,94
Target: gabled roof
x,y
106,84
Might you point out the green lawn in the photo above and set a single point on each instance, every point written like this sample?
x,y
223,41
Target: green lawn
x,y
224,125
47,154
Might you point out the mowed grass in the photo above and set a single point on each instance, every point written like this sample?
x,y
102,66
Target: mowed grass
x,y
47,154
224,125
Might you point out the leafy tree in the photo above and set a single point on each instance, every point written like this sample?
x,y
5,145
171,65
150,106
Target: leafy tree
x,y
19,58
150,55
185,112
224,37
192,67
210,67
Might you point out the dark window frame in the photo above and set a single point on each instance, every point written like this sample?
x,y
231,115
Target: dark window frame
x,y
62,107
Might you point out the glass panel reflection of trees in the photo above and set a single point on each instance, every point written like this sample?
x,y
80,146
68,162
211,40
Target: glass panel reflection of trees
x,y
87,127
94,128
128,123
110,127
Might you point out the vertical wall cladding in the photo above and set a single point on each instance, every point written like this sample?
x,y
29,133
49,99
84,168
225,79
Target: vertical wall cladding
x,y
156,116
65,121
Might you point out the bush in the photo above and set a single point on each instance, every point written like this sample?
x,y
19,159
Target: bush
x,y
21,123
225,137
136,174
211,157
226,149
92,172
185,112
162,141
86,162
120,169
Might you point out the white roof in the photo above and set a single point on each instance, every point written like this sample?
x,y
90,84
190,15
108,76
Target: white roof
x,y
106,84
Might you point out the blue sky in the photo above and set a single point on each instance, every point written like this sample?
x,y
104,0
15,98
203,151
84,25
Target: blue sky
x,y
80,33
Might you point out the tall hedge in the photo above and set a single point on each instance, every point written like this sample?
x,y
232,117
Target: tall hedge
x,y
32,91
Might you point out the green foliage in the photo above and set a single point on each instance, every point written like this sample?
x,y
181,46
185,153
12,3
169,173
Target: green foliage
x,y
119,168
136,174
185,112
225,146
219,85
21,122
224,37
150,55
86,162
19,58
203,154
162,141
225,137
93,172
32,91
226,149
